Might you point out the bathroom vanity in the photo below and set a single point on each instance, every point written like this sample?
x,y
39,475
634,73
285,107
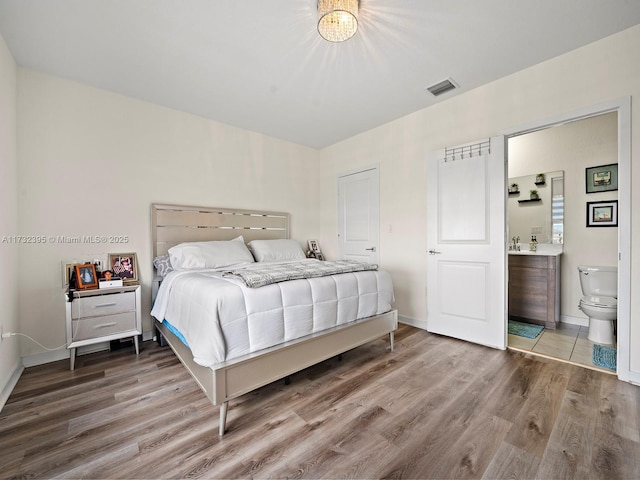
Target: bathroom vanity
x,y
534,286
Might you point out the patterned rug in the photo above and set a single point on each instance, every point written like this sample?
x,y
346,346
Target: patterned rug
x,y
604,356
524,329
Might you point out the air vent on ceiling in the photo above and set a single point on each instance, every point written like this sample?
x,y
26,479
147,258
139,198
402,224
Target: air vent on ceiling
x,y
442,87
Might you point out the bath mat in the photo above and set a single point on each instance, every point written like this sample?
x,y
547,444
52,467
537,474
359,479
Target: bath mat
x,y
524,329
604,356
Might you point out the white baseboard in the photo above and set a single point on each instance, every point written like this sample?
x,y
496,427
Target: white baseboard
x,y
45,357
11,383
62,353
583,322
413,322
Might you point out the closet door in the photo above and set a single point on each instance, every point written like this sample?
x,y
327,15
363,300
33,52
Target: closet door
x,y
466,208
358,215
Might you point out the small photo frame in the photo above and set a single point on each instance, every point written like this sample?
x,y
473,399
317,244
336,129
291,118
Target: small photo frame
x,y
602,179
68,271
86,276
602,214
125,266
313,246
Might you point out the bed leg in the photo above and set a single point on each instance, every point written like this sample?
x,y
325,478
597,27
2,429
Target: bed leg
x,y
223,418
391,337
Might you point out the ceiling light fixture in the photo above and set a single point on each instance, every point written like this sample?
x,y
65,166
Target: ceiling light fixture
x,y
337,19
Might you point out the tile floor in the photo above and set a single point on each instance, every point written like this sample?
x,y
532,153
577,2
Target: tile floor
x,y
567,342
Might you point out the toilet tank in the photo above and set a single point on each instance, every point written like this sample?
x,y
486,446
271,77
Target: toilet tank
x,y
596,280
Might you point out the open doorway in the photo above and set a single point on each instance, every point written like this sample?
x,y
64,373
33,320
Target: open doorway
x,y
591,138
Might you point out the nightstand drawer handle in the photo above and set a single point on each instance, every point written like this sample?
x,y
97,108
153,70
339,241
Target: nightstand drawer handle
x,y
106,325
105,305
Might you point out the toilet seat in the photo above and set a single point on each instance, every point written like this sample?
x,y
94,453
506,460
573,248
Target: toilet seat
x,y
599,301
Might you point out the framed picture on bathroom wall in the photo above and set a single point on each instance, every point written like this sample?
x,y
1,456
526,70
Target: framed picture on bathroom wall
x,y
602,214
602,179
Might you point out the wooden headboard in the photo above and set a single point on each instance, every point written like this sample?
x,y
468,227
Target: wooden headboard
x,y
174,224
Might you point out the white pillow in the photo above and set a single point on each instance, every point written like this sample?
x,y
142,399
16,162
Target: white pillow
x,y
214,254
276,250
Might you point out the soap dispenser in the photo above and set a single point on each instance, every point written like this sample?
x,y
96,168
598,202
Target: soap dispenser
x,y
533,244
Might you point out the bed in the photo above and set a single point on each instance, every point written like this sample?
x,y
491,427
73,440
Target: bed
x,y
236,367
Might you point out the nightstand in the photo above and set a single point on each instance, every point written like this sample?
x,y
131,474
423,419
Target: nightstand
x,y
101,315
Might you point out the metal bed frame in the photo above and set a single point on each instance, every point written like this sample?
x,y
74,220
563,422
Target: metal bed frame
x,y
174,224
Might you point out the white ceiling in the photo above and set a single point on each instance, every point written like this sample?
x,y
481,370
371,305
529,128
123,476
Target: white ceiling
x,y
261,65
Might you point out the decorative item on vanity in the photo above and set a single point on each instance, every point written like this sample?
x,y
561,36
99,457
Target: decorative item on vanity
x,y
533,244
514,246
599,302
533,195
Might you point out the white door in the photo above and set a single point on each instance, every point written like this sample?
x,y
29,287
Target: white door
x,y
466,205
359,215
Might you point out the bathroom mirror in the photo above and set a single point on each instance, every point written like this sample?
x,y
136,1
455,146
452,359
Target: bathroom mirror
x,y
541,215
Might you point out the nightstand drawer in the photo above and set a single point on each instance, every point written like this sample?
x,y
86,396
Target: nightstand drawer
x,y
103,305
102,326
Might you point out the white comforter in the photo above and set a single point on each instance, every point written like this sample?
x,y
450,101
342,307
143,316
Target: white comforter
x,y
222,319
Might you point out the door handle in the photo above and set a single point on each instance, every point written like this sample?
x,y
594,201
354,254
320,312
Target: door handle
x,y
434,252
372,249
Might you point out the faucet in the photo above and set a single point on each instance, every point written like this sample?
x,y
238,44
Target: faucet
x,y
514,246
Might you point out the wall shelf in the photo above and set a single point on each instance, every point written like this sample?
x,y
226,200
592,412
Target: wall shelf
x,y
530,200
540,183
517,192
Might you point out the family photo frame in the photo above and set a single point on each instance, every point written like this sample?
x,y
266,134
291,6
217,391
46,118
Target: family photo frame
x,y
603,178
602,214
86,276
125,266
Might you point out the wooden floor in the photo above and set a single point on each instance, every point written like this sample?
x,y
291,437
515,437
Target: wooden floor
x,y
434,408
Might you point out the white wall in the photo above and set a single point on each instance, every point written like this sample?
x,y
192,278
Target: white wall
x,y
597,73
93,162
9,352
572,148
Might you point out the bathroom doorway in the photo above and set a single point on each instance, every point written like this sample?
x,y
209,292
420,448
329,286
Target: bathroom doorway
x,y
570,146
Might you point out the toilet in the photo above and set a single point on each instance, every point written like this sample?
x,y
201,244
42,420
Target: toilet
x,y
599,302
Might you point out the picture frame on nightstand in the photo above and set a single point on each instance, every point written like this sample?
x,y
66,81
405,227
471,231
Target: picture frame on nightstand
x,y
86,276
68,274
125,266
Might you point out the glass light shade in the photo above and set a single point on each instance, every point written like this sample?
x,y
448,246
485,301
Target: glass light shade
x,y
337,19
